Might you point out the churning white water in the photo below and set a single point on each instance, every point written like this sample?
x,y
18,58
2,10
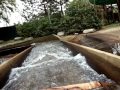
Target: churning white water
x,y
51,64
116,48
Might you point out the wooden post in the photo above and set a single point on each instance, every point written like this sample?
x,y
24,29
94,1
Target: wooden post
x,y
113,19
104,14
118,3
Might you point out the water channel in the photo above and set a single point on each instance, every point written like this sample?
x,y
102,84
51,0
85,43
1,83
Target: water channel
x,y
51,64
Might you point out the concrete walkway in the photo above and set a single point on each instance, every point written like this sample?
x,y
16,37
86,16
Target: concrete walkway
x,y
115,31
102,39
109,36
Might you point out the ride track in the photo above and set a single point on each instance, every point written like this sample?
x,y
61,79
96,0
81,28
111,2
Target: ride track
x,y
110,65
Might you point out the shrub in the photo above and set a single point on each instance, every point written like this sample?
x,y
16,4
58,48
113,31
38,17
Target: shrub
x,y
77,19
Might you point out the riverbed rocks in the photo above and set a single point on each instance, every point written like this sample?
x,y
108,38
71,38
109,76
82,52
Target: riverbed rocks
x,y
18,38
61,33
89,30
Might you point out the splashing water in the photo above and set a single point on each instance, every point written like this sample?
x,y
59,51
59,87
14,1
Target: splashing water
x,y
116,48
51,64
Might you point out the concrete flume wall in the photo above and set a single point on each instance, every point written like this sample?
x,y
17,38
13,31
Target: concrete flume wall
x,y
6,66
27,43
104,62
17,60
107,63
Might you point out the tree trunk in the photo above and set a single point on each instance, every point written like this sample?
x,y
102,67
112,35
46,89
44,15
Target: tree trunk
x,y
104,14
118,3
45,10
49,16
61,7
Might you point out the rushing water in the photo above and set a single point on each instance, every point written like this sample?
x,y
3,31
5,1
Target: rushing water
x,y
2,60
51,64
116,48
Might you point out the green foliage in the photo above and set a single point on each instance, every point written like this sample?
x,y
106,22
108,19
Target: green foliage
x,y
37,28
79,16
6,6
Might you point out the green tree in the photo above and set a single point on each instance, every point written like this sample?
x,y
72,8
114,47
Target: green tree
x,y
81,15
78,16
6,7
61,3
39,8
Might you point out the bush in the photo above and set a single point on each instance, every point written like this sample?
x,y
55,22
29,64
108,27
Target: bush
x,y
84,19
76,20
35,28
